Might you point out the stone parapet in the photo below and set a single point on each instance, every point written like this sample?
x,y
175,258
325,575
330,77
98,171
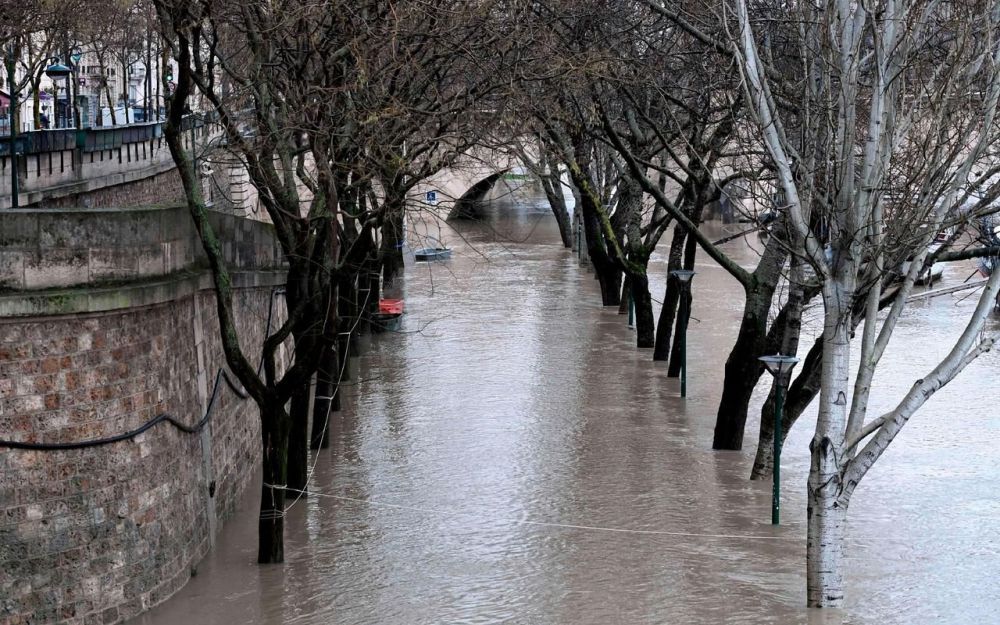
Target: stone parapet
x,y
59,248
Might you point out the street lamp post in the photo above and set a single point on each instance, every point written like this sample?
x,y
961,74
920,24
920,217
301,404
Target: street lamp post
x,y
683,276
56,71
74,58
12,110
781,368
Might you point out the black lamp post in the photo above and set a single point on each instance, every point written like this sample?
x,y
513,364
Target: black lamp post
x,y
57,71
53,71
684,277
781,368
11,59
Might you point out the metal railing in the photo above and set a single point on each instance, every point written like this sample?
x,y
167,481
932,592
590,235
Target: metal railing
x,y
92,139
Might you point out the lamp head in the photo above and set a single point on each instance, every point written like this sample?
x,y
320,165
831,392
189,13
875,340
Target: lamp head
x,y
682,275
57,70
778,364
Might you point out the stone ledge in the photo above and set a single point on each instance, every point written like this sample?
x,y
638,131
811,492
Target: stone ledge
x,y
31,195
14,307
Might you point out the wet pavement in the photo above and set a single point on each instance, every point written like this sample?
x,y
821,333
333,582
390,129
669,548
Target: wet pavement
x,y
510,457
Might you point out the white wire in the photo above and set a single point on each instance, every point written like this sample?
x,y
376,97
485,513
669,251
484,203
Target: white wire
x,y
329,409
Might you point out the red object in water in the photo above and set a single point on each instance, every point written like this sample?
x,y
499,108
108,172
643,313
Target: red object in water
x,y
391,306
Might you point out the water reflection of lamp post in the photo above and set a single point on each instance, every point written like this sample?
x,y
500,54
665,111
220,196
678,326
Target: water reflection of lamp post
x,y
684,277
781,368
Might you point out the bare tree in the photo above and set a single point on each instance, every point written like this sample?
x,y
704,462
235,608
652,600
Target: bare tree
x,y
903,100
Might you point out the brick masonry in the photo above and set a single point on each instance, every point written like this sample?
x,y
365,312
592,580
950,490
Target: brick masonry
x,y
162,188
101,534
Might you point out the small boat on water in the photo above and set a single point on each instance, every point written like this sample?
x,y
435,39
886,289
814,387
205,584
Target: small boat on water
x,y
389,317
432,253
386,322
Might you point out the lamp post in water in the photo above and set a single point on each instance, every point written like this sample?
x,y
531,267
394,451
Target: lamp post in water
x,y
684,277
781,368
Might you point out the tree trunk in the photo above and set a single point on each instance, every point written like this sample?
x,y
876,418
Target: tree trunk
x,y
327,398
742,372
271,523
111,104
742,367
790,322
608,274
827,514
298,440
36,104
645,335
552,187
626,293
826,529
391,246
671,296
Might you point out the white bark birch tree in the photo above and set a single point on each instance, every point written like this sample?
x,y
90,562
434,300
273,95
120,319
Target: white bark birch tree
x,y
898,106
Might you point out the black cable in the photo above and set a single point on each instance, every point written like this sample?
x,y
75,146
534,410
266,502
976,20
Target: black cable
x,y
222,374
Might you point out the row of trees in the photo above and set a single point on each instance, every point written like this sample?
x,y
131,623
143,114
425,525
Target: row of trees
x,y
858,131
336,109
115,38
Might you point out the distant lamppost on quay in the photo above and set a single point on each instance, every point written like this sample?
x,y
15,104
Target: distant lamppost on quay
x,y
781,368
683,276
54,71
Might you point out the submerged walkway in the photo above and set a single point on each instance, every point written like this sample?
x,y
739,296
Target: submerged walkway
x,y
511,458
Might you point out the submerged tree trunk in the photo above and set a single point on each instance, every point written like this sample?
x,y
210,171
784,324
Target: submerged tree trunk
x,y
826,529
271,523
552,186
298,440
327,399
391,246
743,370
827,512
645,335
741,374
671,296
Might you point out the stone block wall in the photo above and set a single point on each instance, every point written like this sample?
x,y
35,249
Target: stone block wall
x,y
54,248
158,188
98,535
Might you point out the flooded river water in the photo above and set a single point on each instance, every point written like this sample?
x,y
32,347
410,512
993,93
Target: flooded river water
x,y
510,457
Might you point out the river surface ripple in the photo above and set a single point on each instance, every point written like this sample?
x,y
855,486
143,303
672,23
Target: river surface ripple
x,y
510,457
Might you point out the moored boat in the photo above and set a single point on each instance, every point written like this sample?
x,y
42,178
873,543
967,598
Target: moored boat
x,y
432,253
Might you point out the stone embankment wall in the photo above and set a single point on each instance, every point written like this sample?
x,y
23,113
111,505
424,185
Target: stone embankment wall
x,y
97,535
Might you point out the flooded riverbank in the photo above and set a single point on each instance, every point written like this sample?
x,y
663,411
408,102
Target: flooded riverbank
x,y
510,457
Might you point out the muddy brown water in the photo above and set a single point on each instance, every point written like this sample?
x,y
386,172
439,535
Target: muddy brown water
x,y
510,457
